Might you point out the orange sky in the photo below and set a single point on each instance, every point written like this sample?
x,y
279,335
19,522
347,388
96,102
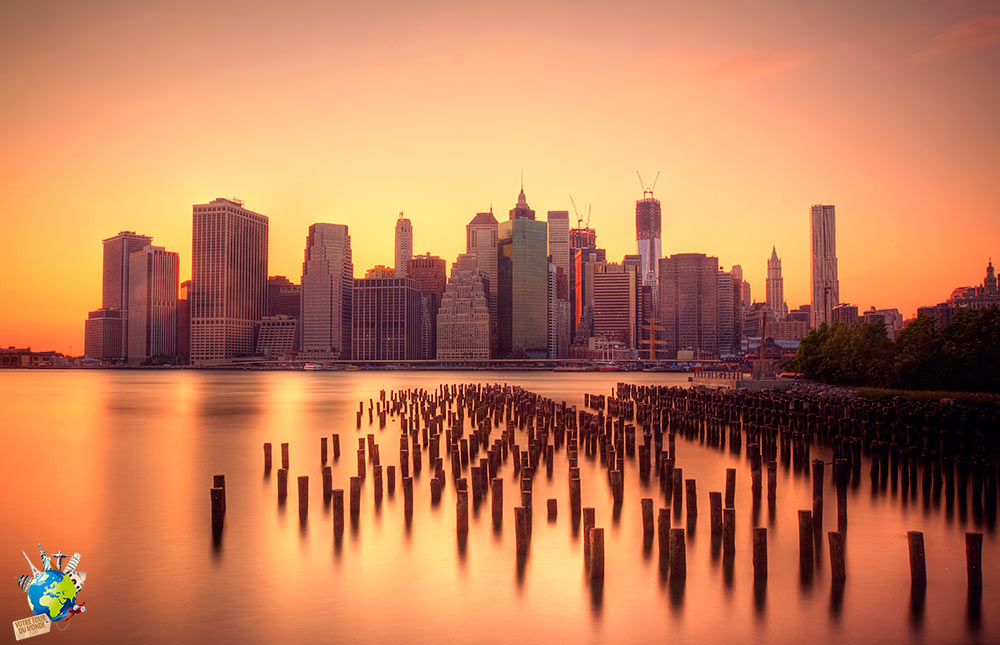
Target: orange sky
x,y
121,115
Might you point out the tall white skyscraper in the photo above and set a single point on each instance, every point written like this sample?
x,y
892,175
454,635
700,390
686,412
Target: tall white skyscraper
x,y
152,321
228,293
647,236
775,287
404,245
327,292
559,240
825,286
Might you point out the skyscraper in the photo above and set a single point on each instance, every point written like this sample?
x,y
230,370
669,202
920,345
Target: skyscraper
x,y
559,255
184,324
404,245
689,302
114,286
327,291
558,222
431,275
775,287
825,286
730,314
284,297
102,337
463,322
647,236
228,279
615,303
522,275
387,320
152,320
481,243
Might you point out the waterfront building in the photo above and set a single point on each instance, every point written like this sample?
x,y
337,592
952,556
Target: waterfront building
x,y
102,338
615,302
481,244
278,336
775,287
387,320
284,297
115,282
845,313
823,267
403,245
730,321
431,275
689,303
327,292
647,236
463,321
522,292
152,292
184,324
228,280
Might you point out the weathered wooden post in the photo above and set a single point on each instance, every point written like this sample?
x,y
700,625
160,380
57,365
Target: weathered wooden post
x,y
918,564
521,530
838,571
284,456
327,483
282,484
730,487
338,511
267,457
691,504
805,541
218,499
336,447
647,517
361,463
817,481
303,495
715,511
322,451
663,535
974,561
772,481
589,521
678,487
408,496
729,531
678,559
597,554
462,512
551,507
496,495
760,553
219,481
574,496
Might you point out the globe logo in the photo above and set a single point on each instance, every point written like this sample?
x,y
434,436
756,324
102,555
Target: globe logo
x,y
52,591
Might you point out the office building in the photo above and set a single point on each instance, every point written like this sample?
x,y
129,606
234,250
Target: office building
x,y
115,283
102,338
481,244
522,290
387,320
823,268
278,336
615,303
730,319
845,313
689,303
775,294
228,280
463,322
152,293
431,275
403,245
284,297
891,318
184,324
327,290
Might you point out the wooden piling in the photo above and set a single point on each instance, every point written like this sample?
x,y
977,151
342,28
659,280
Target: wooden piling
x,y
730,487
647,517
838,571
729,530
219,481
355,496
303,495
338,511
552,508
408,495
390,479
574,496
678,487
772,481
918,564
267,457
284,456
361,462
760,553
663,535
282,484
974,561
805,541
691,504
597,554
462,512
496,495
322,451
678,557
336,447
327,483
589,521
521,529
715,511
218,497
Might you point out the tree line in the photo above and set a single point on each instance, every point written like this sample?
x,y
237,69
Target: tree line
x,y
962,356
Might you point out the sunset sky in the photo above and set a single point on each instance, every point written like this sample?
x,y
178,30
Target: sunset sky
x,y
121,115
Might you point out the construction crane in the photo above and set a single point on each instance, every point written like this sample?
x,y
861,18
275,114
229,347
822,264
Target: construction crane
x,y
578,218
648,191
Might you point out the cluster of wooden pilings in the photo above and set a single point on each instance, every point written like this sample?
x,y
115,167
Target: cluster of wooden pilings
x,y
448,431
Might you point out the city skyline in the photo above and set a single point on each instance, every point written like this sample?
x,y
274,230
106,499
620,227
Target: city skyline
x,y
724,108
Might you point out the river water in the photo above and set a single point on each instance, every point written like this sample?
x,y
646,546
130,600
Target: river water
x,y
117,465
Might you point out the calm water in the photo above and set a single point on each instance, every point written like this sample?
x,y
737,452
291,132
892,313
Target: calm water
x,y
117,465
